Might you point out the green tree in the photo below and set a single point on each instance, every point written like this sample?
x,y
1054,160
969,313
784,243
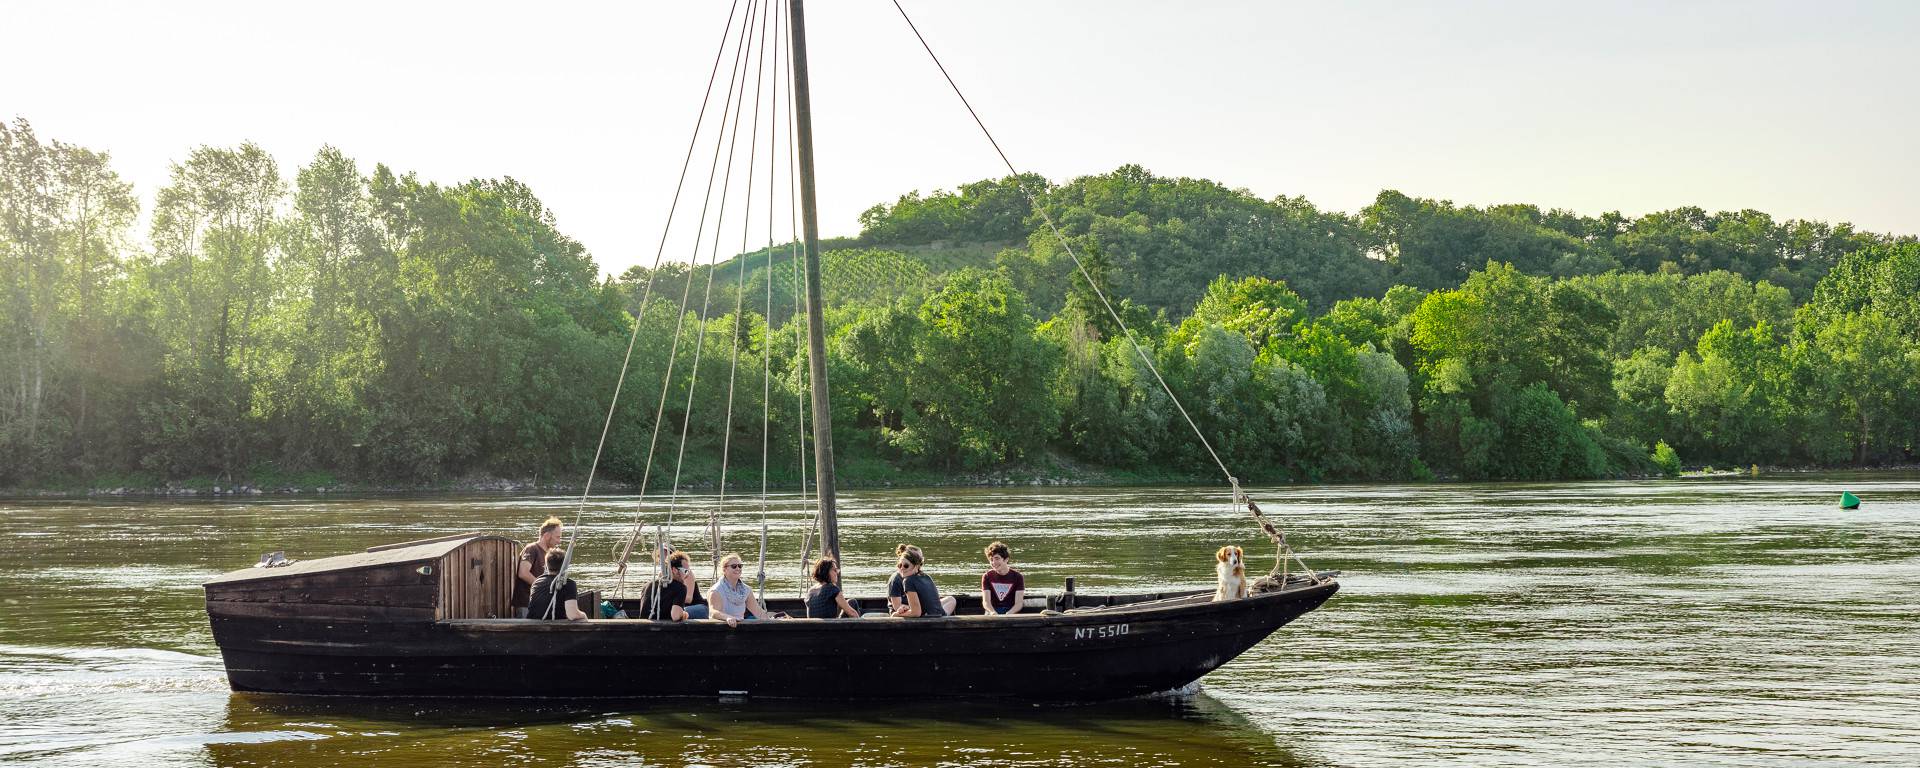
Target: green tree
x,y
979,378
215,226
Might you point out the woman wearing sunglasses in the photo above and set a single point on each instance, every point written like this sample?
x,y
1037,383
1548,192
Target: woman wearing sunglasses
x,y
731,599
896,584
922,599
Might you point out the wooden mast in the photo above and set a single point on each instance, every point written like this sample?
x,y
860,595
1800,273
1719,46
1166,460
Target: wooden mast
x,y
816,327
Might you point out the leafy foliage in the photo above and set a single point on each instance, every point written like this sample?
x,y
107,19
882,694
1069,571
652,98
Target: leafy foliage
x,y
383,327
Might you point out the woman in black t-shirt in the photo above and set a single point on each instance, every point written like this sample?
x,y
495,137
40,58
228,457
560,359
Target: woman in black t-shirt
x,y
896,589
680,597
824,600
922,599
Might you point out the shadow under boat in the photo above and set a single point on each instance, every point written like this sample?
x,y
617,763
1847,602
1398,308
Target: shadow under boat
x,y
420,619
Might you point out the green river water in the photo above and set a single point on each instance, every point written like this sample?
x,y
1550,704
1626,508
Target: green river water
x,y
1693,622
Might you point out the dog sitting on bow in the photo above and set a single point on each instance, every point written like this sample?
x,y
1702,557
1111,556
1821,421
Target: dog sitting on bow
x,y
1233,573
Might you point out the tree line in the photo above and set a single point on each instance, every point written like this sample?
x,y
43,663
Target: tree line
x,y
374,326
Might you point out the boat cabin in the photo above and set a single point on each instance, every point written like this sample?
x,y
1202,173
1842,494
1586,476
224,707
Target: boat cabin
x,y
468,576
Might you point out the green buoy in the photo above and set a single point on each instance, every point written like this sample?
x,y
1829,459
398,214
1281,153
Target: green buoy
x,y
1849,501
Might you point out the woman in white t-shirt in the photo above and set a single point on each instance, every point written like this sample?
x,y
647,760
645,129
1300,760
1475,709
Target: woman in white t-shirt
x,y
731,600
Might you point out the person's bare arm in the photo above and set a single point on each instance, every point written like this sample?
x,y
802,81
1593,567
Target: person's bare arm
x,y
753,606
1019,601
526,572
713,608
573,611
912,609
846,608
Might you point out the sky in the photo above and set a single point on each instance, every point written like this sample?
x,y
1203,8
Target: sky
x,y
1802,110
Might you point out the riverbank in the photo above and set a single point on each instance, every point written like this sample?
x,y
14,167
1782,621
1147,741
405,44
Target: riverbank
x,y
855,474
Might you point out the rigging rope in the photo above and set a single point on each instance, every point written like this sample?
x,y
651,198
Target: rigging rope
x,y
646,296
1278,539
673,355
803,353
706,303
739,300
766,336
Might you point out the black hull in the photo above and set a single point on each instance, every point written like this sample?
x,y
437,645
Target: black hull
x,y
1083,655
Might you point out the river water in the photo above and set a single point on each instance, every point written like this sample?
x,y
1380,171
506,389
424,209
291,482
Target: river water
x,y
1698,622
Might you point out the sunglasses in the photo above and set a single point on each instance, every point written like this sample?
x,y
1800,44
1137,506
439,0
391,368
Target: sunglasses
x,y
903,566
735,567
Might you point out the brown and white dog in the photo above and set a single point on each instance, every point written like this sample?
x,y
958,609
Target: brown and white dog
x,y
1233,573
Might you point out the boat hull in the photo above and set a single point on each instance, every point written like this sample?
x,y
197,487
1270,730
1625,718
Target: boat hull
x,y
1091,654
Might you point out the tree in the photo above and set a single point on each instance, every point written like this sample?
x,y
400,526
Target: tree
x,y
980,377
1870,368
326,336
214,228
30,275
1260,309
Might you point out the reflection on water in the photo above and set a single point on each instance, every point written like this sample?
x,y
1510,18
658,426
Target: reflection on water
x,y
1182,730
1710,622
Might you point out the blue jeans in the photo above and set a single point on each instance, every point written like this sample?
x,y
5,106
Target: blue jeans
x,y
1000,610
695,611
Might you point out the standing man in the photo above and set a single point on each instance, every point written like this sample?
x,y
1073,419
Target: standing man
x,y
533,563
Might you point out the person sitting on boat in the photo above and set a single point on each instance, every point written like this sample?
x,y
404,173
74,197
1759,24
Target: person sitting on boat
x,y
542,603
731,600
533,562
679,597
923,600
1002,589
824,600
896,584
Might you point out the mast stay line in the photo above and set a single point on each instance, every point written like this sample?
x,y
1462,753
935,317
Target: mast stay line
x,y
1282,550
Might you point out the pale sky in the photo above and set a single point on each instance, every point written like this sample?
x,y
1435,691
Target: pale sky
x,y
1802,110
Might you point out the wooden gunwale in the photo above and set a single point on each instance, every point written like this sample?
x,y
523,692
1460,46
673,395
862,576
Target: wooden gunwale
x,y
1190,605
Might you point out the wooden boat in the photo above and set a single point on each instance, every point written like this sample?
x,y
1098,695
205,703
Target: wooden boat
x,y
423,619
428,618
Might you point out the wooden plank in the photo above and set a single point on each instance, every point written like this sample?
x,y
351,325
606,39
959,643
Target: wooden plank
x,y
418,596
320,612
395,575
408,554
462,537
241,591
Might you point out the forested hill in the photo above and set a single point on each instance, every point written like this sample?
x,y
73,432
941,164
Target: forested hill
x,y
370,326
1162,240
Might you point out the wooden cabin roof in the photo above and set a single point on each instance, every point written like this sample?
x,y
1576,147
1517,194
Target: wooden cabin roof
x,y
408,552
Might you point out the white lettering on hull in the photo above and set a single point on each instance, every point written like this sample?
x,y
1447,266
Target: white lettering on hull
x,y
1100,632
